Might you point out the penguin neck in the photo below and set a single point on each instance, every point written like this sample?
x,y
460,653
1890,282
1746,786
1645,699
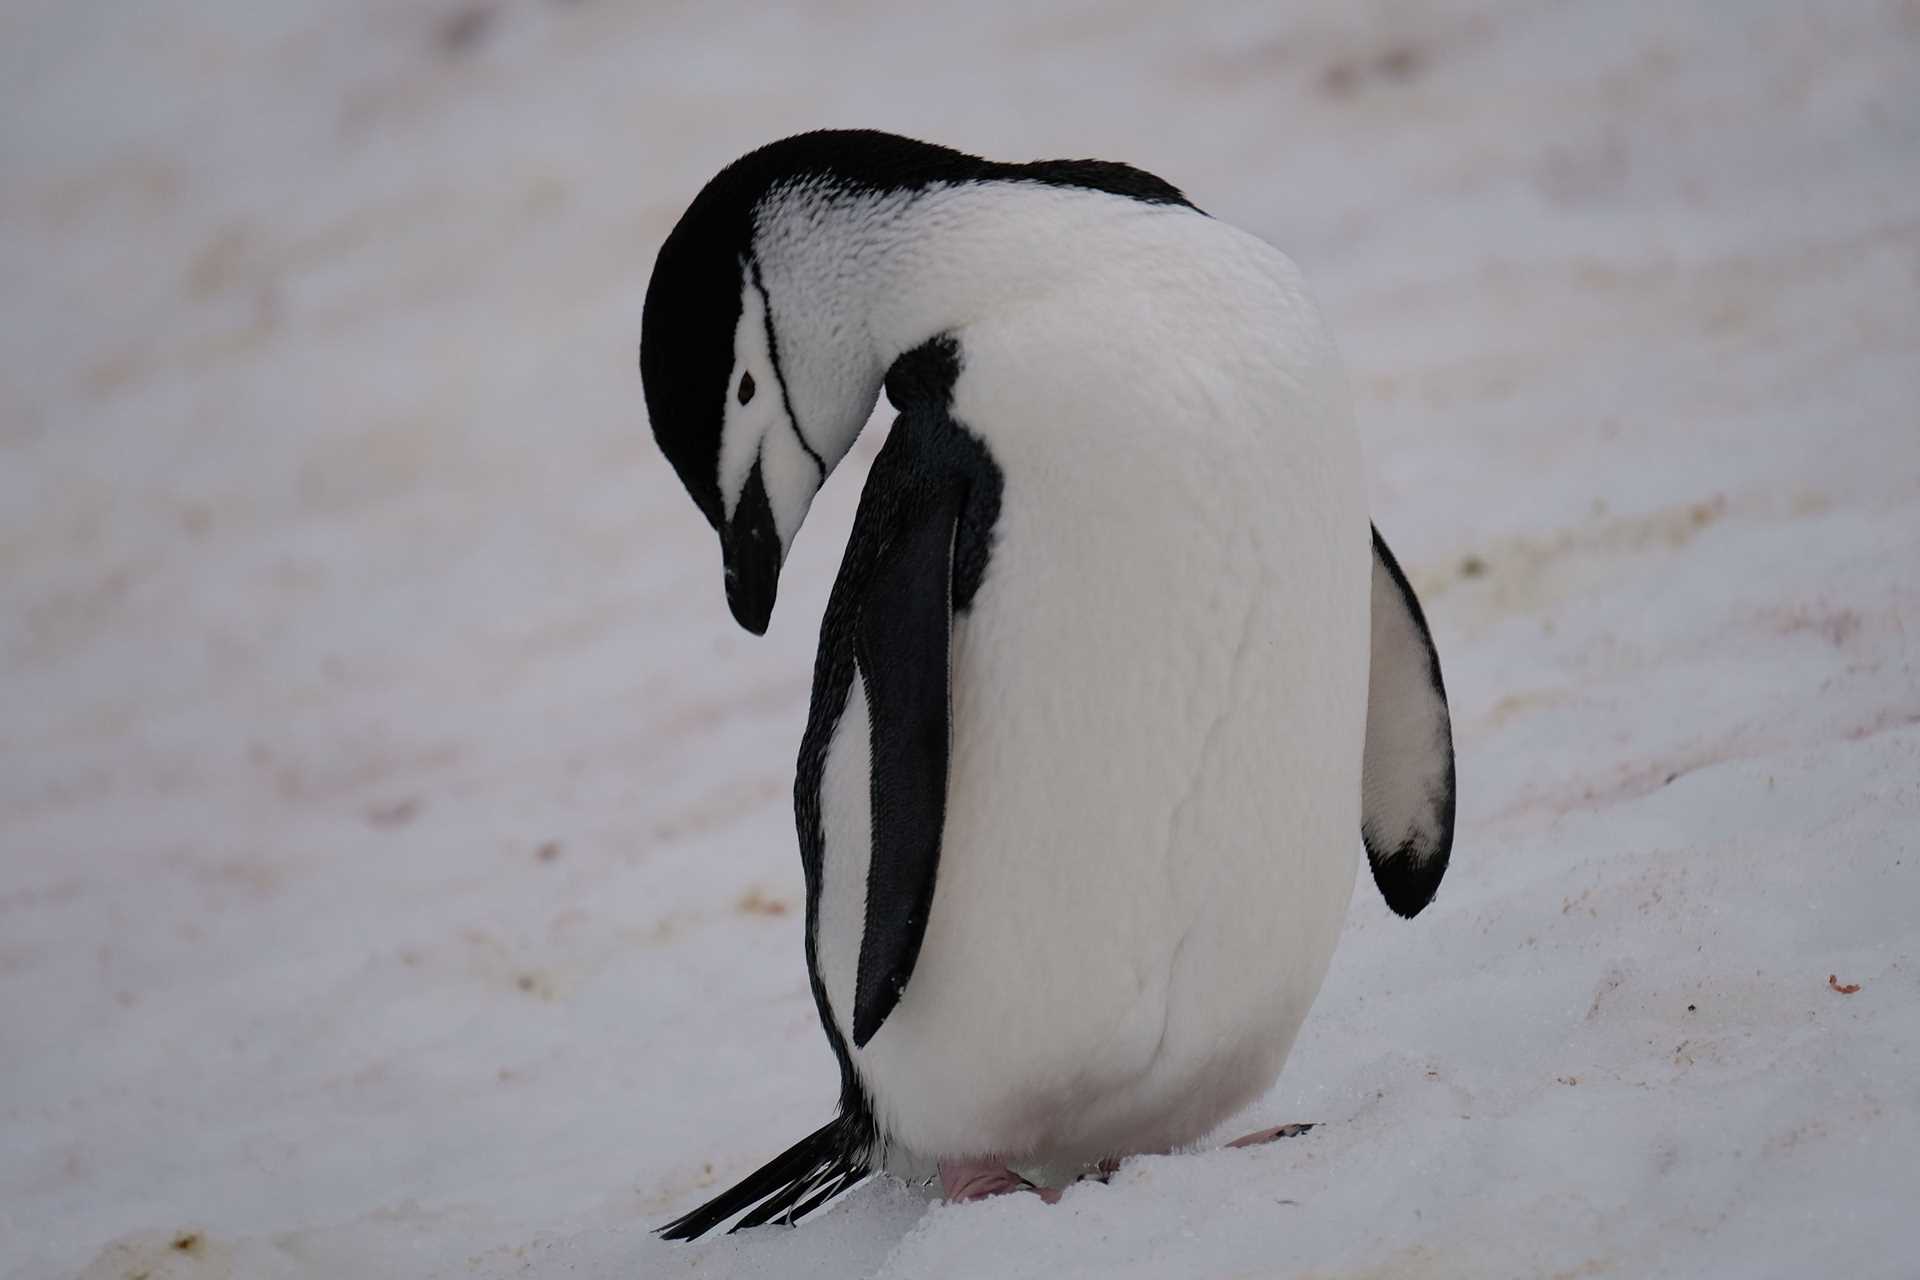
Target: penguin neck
x,y
961,255
856,279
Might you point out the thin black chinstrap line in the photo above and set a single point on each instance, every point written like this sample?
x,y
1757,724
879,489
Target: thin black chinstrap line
x,y
779,376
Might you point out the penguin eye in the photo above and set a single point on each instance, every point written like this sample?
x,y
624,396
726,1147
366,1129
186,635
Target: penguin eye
x,y
746,387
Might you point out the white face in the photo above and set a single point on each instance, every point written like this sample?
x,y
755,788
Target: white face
x,y
759,424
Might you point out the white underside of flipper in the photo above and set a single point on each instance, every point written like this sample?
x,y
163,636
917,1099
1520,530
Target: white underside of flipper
x,y
1407,779
1405,724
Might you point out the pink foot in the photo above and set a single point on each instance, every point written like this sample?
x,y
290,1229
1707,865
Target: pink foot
x,y
978,1179
1270,1135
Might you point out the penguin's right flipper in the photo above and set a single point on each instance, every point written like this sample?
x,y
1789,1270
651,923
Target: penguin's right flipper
x,y
1407,781
902,646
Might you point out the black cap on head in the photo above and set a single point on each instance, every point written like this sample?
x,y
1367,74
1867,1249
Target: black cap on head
x,y
686,346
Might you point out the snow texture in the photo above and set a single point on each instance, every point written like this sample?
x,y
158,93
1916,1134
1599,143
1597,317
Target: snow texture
x,y
397,875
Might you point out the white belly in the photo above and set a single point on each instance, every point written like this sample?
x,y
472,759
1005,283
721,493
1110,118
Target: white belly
x,y
1154,802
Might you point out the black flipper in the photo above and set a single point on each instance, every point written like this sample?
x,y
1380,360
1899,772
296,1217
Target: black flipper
x,y
827,1161
902,647
1407,781
931,474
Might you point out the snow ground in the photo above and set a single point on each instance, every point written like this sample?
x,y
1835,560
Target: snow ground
x,y
397,875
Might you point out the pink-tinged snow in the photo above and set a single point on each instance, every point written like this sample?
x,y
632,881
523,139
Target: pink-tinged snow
x,y
396,870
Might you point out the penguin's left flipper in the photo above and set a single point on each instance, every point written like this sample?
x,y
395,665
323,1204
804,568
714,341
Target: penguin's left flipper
x,y
1406,781
902,646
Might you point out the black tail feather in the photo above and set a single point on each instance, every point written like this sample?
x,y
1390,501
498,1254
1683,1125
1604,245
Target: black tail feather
x,y
820,1166
846,1182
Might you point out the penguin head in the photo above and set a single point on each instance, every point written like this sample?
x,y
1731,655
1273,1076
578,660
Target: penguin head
x,y
721,415
755,351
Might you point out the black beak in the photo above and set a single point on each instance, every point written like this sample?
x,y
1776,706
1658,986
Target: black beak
x,y
750,545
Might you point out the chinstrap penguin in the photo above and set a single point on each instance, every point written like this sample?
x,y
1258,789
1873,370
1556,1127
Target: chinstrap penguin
x,y
1114,668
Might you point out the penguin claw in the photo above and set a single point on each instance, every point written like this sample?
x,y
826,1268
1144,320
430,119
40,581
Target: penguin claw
x,y
964,1180
1261,1136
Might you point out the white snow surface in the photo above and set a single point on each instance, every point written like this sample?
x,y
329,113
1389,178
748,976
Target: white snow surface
x,y
397,874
